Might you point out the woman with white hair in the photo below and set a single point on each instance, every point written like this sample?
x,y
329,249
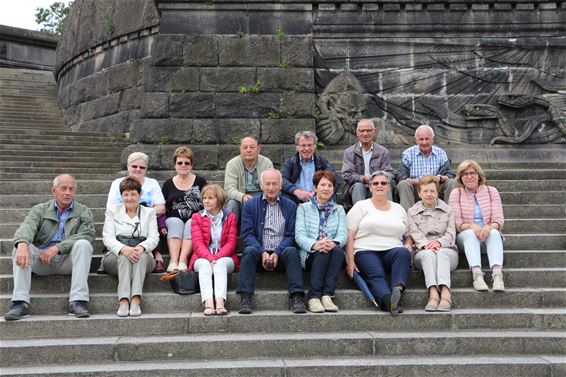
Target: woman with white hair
x,y
151,195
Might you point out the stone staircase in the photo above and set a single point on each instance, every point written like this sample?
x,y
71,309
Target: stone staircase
x,y
518,333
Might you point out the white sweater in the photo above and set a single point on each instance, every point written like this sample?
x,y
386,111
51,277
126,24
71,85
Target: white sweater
x,y
377,230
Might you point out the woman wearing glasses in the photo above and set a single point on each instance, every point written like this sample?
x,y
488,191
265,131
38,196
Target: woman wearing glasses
x,y
376,227
151,195
182,199
478,215
130,234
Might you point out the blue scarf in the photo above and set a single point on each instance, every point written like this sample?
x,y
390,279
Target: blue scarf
x,y
324,211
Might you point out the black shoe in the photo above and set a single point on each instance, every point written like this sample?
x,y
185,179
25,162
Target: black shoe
x,y
246,304
394,300
78,309
296,304
18,310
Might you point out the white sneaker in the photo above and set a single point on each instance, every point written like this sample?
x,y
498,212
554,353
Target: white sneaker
x,y
135,310
479,283
498,285
315,305
328,304
123,310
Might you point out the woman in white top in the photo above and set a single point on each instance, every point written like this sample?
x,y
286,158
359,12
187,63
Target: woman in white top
x,y
376,227
128,261
151,195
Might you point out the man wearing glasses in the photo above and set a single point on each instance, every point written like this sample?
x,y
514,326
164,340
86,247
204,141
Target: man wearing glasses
x,y
298,171
423,159
361,160
241,177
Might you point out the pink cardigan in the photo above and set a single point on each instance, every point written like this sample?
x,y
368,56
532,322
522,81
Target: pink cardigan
x,y
200,233
488,199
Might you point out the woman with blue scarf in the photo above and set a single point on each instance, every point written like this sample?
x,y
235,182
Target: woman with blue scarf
x,y
321,233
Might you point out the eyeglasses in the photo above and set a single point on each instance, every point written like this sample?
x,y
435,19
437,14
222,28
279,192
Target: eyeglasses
x,y
471,174
187,163
366,131
379,183
138,167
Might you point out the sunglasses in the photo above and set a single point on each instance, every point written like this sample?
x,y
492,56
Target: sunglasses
x,y
138,167
187,163
379,183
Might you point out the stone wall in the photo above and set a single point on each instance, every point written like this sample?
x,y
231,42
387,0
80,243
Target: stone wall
x,y
208,73
21,48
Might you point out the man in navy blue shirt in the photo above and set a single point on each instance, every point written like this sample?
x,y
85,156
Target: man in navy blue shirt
x,y
268,232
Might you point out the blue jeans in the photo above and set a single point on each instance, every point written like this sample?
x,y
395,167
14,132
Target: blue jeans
x,y
373,266
325,269
289,261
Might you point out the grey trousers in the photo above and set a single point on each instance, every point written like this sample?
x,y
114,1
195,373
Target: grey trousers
x,y
437,266
131,276
408,193
76,264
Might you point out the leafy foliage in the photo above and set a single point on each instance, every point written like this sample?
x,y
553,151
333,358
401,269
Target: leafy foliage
x,y
51,19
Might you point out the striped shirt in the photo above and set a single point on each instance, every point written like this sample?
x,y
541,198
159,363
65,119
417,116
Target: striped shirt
x,y
420,165
274,225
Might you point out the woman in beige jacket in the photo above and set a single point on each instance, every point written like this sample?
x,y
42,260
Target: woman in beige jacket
x,y
431,225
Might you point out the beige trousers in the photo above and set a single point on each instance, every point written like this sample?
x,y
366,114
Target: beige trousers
x,y
437,266
130,275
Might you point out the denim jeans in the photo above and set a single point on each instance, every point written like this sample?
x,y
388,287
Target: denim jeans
x,y
373,266
289,261
325,269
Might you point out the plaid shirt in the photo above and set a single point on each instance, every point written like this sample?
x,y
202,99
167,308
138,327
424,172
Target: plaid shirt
x,y
274,228
420,165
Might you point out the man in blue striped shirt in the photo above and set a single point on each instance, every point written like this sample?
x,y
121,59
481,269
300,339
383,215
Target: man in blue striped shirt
x,y
423,159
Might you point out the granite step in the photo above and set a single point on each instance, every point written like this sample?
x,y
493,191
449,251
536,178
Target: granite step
x,y
461,278
40,325
33,176
231,346
462,366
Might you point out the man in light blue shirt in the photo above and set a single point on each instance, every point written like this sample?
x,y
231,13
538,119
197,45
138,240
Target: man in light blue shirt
x,y
423,159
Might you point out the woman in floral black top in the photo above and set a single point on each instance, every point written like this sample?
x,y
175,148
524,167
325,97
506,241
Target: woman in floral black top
x,y
182,199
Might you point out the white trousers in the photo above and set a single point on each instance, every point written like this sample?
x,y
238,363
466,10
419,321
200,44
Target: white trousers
x,y
221,269
472,246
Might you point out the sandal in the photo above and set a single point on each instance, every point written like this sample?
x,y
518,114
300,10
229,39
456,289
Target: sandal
x,y
432,304
169,276
209,310
182,267
221,311
444,306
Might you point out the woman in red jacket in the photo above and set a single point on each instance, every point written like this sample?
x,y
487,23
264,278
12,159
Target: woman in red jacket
x,y
215,236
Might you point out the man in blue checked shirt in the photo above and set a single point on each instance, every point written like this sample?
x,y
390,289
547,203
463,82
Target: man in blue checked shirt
x,y
423,159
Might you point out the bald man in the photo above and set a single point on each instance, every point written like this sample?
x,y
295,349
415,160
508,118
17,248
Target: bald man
x,y
54,239
241,177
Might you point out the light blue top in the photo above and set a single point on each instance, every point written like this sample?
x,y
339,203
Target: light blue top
x,y
305,182
307,223
478,217
62,217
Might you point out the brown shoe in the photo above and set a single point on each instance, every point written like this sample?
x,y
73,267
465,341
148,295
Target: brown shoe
x,y
444,306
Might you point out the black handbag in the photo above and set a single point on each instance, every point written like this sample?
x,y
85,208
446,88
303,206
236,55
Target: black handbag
x,y
132,240
185,283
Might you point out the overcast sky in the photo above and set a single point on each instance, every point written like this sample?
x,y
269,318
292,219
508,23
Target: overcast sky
x,y
21,13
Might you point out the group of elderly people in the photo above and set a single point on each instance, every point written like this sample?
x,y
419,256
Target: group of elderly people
x,y
290,221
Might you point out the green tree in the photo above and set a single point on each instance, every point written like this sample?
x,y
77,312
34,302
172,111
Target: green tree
x,y
51,19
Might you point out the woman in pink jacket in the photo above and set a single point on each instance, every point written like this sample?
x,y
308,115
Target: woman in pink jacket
x,y
215,236
478,215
